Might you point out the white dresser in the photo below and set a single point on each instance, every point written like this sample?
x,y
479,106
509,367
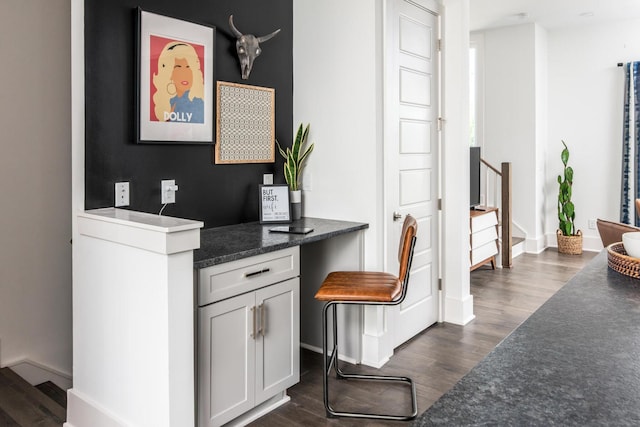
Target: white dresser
x,y
483,238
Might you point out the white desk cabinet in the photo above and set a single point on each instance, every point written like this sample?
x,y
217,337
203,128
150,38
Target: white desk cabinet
x,y
249,336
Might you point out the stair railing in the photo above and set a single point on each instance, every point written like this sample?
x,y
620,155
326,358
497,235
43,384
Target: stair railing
x,y
500,197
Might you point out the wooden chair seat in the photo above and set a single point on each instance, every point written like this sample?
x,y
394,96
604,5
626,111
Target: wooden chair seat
x,y
360,286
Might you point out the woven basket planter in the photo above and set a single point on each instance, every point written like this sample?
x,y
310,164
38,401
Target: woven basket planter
x,y
571,245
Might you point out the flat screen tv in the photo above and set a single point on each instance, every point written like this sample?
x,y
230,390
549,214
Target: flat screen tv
x,y
474,175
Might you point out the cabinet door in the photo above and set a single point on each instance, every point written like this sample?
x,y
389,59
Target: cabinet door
x,y
278,350
226,352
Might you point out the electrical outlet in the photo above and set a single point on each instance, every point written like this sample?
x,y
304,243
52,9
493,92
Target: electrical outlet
x,y
592,224
306,180
168,190
121,194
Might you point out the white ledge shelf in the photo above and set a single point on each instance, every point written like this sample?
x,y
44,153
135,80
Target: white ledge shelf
x,y
155,233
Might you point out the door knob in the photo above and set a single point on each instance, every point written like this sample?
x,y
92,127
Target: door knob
x,y
397,216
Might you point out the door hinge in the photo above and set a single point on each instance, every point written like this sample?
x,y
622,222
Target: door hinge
x,y
439,45
439,284
439,204
441,122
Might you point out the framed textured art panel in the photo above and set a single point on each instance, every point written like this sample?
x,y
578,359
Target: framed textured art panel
x,y
175,80
245,128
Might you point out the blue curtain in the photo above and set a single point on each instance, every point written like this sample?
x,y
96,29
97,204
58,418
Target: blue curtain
x,y
630,166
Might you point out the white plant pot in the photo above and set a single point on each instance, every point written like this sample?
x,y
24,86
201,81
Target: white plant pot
x,y
295,197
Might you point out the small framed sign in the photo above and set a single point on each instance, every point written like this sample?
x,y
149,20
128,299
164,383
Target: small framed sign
x,y
274,204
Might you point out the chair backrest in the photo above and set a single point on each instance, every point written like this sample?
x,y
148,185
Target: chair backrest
x,y
611,232
405,251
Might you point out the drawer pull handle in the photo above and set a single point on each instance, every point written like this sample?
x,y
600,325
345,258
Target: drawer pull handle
x,y
253,332
262,328
257,273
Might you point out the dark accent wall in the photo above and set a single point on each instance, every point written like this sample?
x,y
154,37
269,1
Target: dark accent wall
x,y
216,194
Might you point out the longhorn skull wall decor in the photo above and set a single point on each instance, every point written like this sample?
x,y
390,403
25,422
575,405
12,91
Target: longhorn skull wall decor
x,y
248,47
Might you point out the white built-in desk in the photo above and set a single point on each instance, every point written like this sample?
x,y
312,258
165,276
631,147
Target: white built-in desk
x,y
248,287
135,321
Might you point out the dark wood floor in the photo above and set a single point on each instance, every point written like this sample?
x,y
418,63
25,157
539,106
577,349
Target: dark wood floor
x,y
436,359
441,355
23,405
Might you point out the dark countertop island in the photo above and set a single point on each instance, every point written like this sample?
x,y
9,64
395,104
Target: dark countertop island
x,y
229,243
575,361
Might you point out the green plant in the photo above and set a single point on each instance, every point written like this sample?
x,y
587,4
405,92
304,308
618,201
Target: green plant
x,y
295,156
566,210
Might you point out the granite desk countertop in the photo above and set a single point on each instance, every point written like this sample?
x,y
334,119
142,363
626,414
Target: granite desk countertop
x,y
229,243
574,362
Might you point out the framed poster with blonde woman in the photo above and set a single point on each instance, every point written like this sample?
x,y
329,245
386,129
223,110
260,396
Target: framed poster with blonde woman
x,y
175,80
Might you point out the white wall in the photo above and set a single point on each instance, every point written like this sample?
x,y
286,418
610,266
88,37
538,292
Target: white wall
x,y
510,114
35,171
541,135
337,87
585,110
543,86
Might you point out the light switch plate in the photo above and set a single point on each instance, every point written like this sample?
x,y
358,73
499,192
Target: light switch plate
x,y
121,194
267,178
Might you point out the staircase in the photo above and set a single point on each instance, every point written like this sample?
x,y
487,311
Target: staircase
x,y
23,405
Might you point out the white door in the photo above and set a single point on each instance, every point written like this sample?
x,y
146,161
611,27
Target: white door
x,y
411,156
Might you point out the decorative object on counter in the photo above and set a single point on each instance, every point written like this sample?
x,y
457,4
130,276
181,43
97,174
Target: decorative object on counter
x,y
294,158
569,240
274,204
631,242
248,47
174,79
245,129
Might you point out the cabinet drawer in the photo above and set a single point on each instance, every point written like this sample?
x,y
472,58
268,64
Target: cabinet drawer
x,y
226,280
483,237
483,252
481,222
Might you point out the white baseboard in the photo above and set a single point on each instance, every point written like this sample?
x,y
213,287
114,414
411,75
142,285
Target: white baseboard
x,y
319,351
260,410
459,311
84,412
36,373
535,245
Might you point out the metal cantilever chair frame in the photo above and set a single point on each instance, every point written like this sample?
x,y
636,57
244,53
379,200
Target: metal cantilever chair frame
x,y
332,360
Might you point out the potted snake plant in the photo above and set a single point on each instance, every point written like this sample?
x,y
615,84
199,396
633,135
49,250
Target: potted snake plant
x,y
569,240
294,159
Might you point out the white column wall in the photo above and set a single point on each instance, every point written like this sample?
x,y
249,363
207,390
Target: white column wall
x,y
538,242
457,301
510,119
337,89
35,169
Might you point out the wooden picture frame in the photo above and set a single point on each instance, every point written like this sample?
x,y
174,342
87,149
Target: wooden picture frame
x,y
175,80
245,124
274,204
